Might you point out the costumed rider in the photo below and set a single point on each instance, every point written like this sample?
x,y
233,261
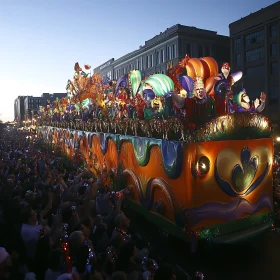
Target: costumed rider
x,y
200,108
225,74
242,101
225,69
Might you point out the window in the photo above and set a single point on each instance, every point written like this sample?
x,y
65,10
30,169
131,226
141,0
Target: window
x,y
157,57
188,49
169,53
238,59
254,55
274,68
254,37
174,51
237,43
255,71
152,60
273,49
162,57
273,30
109,75
141,63
273,95
200,51
147,61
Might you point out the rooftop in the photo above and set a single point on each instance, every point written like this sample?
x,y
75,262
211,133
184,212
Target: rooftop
x,y
266,10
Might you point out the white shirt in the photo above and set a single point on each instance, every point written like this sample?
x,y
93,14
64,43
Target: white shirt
x,y
30,236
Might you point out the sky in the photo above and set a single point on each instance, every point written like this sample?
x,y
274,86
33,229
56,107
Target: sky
x,y
40,40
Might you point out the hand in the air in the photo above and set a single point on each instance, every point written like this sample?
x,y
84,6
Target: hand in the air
x,y
257,103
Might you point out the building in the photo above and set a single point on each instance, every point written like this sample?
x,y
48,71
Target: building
x,y
19,109
169,46
52,97
255,52
31,106
27,107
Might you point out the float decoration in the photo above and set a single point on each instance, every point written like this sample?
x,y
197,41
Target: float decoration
x,y
159,135
155,106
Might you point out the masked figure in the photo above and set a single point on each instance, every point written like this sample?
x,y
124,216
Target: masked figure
x,y
242,101
225,74
200,108
223,98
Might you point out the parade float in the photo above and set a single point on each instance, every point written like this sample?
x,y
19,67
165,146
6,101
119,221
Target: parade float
x,y
196,154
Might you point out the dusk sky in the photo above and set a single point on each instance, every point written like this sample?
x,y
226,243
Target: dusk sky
x,y
40,41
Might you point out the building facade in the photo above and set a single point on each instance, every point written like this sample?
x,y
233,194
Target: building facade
x,y
31,106
19,109
169,46
255,52
52,97
27,107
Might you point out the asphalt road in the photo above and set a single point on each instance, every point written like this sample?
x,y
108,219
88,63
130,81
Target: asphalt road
x,y
257,259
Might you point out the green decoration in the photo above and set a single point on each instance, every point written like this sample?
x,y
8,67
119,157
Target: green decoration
x,y
149,113
135,81
161,84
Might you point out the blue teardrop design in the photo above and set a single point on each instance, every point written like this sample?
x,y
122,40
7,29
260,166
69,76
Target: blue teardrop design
x,y
172,155
142,149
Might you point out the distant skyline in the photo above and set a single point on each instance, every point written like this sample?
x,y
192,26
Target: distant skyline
x,y
42,40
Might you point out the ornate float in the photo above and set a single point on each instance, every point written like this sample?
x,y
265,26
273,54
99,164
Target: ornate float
x,y
197,155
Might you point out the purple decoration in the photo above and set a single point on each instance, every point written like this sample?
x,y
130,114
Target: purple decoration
x,y
147,199
187,83
167,95
246,161
106,81
148,94
228,212
122,82
70,107
222,87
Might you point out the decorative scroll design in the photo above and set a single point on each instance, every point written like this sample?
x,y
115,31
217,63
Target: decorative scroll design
x,y
147,196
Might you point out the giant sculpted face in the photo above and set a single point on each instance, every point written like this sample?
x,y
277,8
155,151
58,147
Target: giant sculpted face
x,y
199,90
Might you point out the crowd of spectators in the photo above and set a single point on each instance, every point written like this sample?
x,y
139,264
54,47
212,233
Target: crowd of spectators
x,y
59,222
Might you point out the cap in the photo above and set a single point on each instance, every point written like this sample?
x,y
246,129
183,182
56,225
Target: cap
x,y
226,65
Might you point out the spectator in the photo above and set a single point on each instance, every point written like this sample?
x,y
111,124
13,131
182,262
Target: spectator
x,y
5,263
